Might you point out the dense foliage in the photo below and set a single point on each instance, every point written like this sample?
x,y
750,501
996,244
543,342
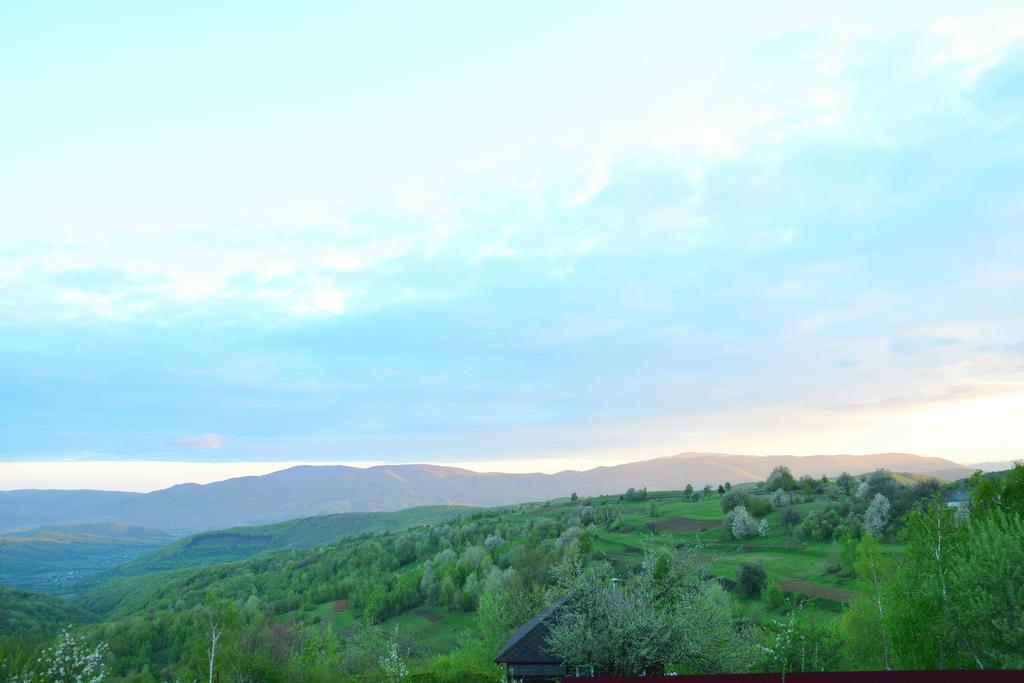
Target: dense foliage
x,y
897,578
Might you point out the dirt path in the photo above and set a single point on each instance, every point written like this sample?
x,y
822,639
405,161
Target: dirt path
x,y
429,615
683,524
816,591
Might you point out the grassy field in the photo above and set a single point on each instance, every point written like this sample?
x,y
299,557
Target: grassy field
x,y
800,570
431,628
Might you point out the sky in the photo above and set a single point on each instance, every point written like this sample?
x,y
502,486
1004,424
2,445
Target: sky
x,y
509,236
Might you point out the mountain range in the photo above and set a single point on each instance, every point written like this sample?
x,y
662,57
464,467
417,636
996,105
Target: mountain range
x,y
318,490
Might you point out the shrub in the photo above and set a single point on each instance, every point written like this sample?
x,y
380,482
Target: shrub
x,y
740,525
759,507
734,499
773,597
790,518
751,580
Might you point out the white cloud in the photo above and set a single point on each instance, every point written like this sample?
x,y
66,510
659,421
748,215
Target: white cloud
x,y
199,441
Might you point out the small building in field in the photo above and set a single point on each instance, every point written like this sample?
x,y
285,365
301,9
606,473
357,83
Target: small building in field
x,y
959,499
525,654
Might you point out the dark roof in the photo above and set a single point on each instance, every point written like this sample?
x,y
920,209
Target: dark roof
x,y
528,645
536,670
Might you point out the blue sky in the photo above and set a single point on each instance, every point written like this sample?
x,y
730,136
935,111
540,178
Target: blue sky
x,y
519,236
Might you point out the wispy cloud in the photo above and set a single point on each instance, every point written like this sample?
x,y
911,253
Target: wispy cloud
x,y
199,441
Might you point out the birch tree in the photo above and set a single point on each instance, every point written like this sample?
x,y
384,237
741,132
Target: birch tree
x,y
865,622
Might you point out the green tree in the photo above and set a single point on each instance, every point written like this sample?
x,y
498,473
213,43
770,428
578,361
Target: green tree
x,y
663,618
733,499
987,578
781,478
999,492
751,579
865,622
790,518
924,615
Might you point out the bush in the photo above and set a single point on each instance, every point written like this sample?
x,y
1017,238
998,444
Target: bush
x,y
751,580
759,507
773,597
790,518
734,499
740,525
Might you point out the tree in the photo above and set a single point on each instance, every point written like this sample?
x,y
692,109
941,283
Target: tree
x,y
1003,492
790,518
706,492
800,644
925,619
218,616
573,498
759,507
734,499
876,518
721,489
728,486
752,579
688,491
778,497
781,478
215,631
865,621
72,661
740,525
809,484
663,614
845,482
987,577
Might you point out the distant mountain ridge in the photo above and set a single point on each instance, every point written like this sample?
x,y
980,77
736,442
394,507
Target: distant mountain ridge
x,y
310,490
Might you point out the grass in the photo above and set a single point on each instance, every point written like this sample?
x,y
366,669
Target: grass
x,y
782,556
431,628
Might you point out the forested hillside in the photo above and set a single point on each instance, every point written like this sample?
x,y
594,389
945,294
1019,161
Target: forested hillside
x,y
239,543
329,489
789,571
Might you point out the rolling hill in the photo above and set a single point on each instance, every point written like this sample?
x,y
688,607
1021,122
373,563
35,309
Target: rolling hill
x,y
239,543
307,491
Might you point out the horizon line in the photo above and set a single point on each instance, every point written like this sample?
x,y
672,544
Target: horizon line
x,y
110,475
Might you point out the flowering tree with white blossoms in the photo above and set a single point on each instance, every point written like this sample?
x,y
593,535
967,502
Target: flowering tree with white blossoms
x,y
71,661
778,497
876,518
741,525
392,663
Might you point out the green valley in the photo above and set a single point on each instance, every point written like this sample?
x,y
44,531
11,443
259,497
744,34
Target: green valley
x,y
441,588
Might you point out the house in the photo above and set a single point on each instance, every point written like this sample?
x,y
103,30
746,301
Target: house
x,y
958,499
525,654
